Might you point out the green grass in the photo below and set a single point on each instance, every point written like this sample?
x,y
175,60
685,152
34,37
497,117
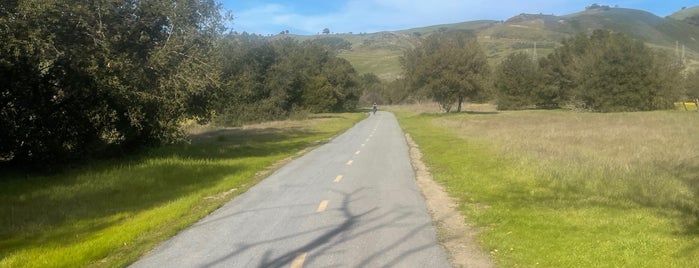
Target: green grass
x,y
385,63
109,213
562,189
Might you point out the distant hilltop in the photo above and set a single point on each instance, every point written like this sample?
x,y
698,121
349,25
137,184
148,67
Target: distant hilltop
x,y
379,53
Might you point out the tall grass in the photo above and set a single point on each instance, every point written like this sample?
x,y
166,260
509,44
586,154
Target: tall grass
x,y
564,189
109,213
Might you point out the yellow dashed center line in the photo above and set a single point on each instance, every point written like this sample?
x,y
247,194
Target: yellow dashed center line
x,y
338,178
357,152
323,205
349,163
298,262
363,144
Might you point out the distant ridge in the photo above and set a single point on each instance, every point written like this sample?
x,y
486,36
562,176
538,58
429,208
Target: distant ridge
x,y
379,53
685,13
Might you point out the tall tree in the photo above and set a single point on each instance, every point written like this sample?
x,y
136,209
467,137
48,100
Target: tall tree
x,y
81,77
515,80
450,66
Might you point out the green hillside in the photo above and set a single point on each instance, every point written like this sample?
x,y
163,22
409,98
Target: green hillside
x,y
685,13
470,25
380,53
638,24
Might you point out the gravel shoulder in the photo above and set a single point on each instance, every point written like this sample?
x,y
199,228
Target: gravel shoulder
x,y
455,235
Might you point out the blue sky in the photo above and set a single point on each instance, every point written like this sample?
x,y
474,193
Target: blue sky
x,y
343,16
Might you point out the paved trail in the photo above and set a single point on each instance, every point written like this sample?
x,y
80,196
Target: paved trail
x,y
351,203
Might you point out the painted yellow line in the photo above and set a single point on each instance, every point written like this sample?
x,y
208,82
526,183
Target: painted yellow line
x,y
338,178
363,144
357,152
298,262
349,163
323,205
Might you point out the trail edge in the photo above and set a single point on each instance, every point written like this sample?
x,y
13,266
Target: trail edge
x,y
455,235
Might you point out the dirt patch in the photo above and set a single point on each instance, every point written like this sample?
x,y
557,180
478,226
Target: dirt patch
x,y
455,235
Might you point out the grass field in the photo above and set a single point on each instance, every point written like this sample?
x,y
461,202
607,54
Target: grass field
x,y
565,189
385,63
107,214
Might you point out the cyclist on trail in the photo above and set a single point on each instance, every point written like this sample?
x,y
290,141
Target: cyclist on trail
x,y
374,108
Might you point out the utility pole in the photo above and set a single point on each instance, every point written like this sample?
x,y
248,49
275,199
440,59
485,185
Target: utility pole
x,y
536,57
684,59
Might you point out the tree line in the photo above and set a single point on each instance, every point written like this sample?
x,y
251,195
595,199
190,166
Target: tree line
x,y
100,77
599,72
267,79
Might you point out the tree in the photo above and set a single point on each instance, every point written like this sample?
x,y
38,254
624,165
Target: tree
x,y
326,31
395,92
691,85
515,80
372,89
450,66
345,82
610,72
269,79
83,78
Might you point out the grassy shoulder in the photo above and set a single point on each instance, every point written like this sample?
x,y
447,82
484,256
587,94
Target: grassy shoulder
x,y
562,189
108,214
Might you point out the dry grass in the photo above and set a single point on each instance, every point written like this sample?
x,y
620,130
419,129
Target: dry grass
x,y
618,140
648,155
433,107
567,189
200,133
621,140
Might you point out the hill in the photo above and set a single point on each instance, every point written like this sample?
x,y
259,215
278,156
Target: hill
x,y
380,52
685,13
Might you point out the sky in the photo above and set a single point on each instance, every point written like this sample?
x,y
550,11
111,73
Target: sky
x,y
367,16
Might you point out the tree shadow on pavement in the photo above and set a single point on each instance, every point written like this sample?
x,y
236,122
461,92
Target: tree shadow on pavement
x,y
355,225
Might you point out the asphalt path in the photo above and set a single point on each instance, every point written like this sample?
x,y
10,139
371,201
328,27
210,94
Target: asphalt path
x,y
352,202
